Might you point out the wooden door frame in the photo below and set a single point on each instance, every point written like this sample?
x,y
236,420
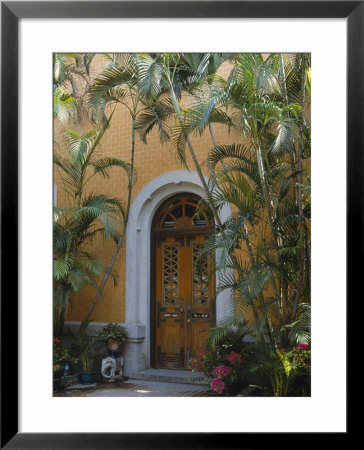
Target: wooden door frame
x,y
139,262
155,234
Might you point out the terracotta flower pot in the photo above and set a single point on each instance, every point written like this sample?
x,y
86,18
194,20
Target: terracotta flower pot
x,y
113,344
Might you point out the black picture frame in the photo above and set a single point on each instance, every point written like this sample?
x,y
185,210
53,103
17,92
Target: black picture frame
x,y
11,12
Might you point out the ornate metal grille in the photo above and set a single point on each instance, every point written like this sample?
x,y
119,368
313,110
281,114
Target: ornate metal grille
x,y
199,276
170,278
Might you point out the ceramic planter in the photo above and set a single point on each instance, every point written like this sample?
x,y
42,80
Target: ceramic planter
x,y
114,353
87,377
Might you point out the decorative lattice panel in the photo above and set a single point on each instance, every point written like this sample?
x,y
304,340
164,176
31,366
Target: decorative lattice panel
x,y
170,279
199,277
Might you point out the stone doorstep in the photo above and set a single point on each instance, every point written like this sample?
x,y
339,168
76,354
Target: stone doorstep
x,y
170,376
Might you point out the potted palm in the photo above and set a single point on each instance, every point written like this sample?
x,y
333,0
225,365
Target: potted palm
x,y
115,335
88,349
85,347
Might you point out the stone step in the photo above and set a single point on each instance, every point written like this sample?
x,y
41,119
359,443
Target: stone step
x,y
170,376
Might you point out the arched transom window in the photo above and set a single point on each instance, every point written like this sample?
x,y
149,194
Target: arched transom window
x,y
183,211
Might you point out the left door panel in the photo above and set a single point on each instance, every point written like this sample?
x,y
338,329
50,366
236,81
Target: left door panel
x,y
170,301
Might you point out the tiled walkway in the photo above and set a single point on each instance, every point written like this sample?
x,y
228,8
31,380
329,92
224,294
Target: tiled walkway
x,y
137,388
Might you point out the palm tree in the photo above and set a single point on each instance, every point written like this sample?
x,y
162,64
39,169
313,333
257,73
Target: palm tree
x,y
117,85
84,216
267,116
73,265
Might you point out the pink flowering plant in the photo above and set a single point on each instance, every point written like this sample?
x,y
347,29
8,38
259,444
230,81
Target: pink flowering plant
x,y
223,361
61,357
298,358
198,363
301,355
221,370
217,385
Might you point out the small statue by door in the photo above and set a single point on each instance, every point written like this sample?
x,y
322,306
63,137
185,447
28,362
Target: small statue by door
x,y
112,368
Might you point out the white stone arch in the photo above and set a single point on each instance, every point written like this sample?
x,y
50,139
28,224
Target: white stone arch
x,y
138,264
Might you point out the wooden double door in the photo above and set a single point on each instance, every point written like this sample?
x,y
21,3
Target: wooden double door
x,y
184,299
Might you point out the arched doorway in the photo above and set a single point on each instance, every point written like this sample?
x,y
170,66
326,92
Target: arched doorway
x,y
183,292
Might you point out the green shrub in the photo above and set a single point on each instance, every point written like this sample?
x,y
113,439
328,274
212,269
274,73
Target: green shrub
x,y
114,331
61,357
284,373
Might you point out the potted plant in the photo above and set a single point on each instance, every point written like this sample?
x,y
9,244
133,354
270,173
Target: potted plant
x,y
62,360
88,349
85,346
115,335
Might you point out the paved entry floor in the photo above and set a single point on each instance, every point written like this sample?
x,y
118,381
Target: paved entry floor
x,y
136,388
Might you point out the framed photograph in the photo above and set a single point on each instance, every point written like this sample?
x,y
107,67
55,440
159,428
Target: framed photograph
x,y
331,32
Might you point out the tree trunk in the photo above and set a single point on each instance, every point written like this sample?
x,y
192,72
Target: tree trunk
x,y
63,293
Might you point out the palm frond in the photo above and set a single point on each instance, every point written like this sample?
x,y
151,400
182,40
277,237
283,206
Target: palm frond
x,y
155,114
102,165
150,73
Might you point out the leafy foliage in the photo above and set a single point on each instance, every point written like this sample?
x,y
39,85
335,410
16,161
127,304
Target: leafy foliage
x,y
84,346
71,79
76,226
284,373
114,331
61,358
